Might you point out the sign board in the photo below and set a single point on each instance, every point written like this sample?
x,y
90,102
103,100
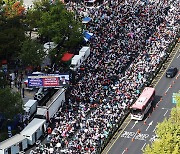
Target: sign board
x,y
175,97
9,132
48,80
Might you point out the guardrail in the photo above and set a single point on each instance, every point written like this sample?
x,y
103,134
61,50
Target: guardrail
x,y
151,77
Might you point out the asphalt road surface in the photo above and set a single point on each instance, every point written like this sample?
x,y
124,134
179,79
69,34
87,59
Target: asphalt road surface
x,y
137,134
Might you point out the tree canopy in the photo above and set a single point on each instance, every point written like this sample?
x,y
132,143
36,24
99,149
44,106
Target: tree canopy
x,y
11,31
168,133
10,103
32,53
56,23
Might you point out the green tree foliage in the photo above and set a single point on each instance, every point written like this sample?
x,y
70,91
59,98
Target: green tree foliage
x,y
3,81
168,133
10,103
57,24
11,32
31,53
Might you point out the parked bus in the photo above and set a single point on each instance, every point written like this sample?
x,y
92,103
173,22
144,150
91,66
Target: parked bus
x,y
143,103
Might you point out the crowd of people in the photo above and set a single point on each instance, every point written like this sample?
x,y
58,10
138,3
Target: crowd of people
x,y
130,40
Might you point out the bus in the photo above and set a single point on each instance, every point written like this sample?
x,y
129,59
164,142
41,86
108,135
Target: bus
x,y
143,103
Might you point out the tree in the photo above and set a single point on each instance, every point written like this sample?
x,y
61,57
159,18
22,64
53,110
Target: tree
x,y
11,32
14,8
168,135
32,53
57,24
10,103
3,81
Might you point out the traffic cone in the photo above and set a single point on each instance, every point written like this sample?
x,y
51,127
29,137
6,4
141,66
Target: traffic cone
x,y
144,122
138,131
165,93
149,115
173,82
161,99
132,140
156,105
126,149
170,86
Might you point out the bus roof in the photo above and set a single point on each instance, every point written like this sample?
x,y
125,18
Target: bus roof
x,y
143,98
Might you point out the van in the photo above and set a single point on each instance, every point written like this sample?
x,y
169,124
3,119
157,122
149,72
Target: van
x,y
84,52
76,62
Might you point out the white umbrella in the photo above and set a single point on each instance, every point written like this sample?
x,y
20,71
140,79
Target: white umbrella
x,y
50,45
51,150
58,145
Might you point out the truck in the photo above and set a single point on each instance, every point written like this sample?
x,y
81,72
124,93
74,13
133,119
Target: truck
x,y
76,62
51,107
30,107
85,52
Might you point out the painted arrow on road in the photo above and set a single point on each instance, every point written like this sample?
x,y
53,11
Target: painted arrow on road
x,y
149,125
134,124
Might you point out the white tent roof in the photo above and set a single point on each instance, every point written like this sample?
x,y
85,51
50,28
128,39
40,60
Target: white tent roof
x,y
11,141
33,126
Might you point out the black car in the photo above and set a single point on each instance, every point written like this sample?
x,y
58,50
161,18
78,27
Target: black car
x,y
171,72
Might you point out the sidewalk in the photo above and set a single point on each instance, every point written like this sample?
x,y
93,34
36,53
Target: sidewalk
x,y
28,94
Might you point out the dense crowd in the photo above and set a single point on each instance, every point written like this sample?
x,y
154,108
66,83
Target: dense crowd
x,y
130,40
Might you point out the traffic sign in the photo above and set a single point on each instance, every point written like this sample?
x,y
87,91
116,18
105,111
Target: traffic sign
x,y
175,98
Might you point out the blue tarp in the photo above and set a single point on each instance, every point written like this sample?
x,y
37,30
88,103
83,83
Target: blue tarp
x,y
86,20
87,36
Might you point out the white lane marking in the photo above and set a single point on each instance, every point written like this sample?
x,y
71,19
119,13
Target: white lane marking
x,y
134,135
123,152
154,129
167,90
134,124
149,125
165,108
165,113
141,137
143,146
178,56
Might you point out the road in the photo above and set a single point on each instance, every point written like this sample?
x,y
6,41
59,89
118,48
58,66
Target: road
x,y
137,134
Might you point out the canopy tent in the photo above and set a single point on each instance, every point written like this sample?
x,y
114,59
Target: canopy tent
x,y
66,57
86,20
87,36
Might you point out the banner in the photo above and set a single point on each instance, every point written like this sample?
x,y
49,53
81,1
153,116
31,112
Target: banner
x,y
48,80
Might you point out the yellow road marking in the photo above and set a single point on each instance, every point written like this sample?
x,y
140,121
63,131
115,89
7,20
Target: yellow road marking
x,y
118,136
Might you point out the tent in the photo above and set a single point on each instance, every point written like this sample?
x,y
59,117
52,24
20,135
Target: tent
x,y
86,20
66,57
87,36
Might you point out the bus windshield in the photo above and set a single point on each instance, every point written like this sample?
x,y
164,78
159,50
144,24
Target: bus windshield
x,y
136,111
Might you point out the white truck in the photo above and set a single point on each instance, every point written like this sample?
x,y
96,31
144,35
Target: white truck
x,y
85,52
30,107
52,105
76,62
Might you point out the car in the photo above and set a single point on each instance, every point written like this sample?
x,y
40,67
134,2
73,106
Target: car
x,y
171,72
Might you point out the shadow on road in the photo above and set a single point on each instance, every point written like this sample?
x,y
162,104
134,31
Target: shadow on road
x,y
153,106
